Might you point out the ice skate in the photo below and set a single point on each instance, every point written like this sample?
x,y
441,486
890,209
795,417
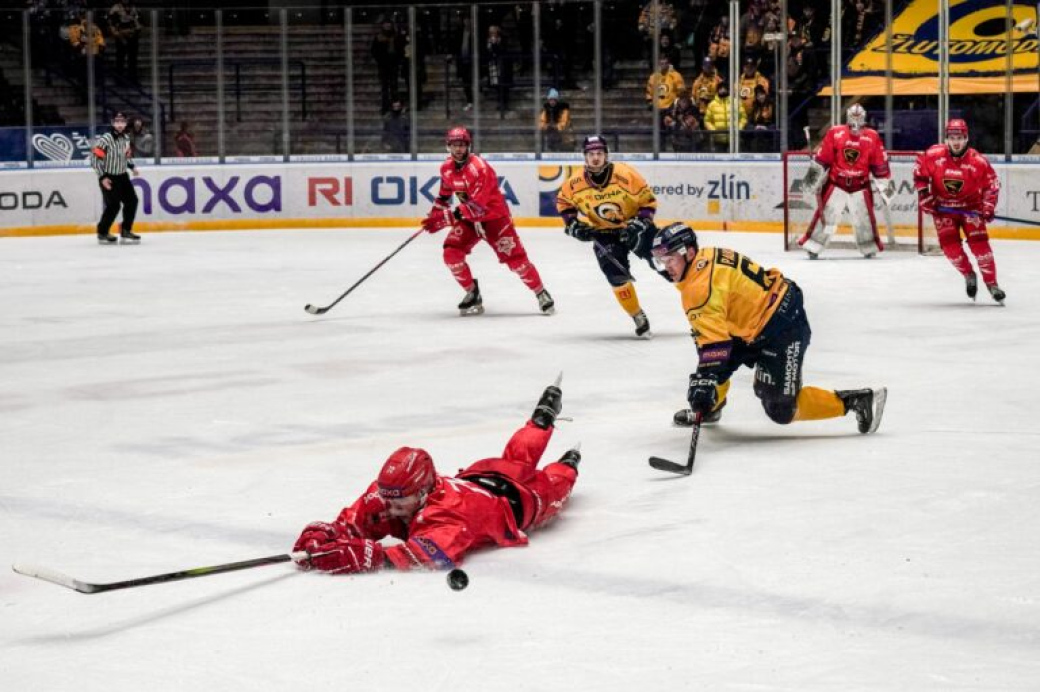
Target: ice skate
x,y
129,238
997,292
572,457
868,405
545,302
549,405
642,325
971,285
684,417
472,303
106,239
813,255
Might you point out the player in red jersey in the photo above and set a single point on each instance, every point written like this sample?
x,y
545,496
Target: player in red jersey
x,y
438,519
959,188
849,155
480,214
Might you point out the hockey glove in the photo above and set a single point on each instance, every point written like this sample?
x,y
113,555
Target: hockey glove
x,y
439,218
318,533
702,392
926,202
638,236
348,556
578,230
988,212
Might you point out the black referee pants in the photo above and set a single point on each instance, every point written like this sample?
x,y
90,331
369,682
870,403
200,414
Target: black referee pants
x,y
122,195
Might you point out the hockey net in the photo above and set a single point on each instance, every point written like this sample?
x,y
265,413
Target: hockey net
x,y
900,224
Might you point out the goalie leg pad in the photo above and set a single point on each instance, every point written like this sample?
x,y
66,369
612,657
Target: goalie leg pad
x,y
864,223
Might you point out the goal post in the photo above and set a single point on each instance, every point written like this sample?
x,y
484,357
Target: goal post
x,y
901,225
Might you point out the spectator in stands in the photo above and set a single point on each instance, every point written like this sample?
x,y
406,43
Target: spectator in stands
x,y
667,49
419,52
185,141
141,140
761,121
665,17
706,85
388,53
857,21
663,87
397,129
677,125
464,61
499,68
79,40
751,31
719,44
718,115
814,31
751,78
124,26
555,123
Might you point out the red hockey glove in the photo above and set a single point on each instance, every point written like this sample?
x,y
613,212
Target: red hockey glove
x,y
988,212
349,556
439,218
926,202
318,533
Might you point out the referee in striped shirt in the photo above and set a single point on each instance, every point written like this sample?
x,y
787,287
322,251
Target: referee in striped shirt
x,y
111,157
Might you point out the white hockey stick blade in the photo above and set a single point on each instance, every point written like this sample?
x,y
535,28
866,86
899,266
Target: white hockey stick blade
x,y
54,577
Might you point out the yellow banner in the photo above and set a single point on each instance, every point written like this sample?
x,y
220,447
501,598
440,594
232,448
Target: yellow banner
x,y
979,37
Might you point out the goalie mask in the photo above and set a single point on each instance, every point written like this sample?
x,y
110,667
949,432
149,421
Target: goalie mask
x,y
957,136
856,117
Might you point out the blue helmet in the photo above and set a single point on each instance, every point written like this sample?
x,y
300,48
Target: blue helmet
x,y
672,238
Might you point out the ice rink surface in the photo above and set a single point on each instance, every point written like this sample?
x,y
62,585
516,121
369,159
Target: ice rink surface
x,y
172,405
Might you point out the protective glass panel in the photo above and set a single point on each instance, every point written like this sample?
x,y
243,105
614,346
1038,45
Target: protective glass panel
x,y
1025,81
760,58
380,73
316,51
506,89
188,79
253,82
13,147
809,74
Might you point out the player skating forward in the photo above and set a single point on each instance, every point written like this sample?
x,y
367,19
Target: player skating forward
x,y
742,314
111,158
954,176
618,207
439,519
481,213
840,173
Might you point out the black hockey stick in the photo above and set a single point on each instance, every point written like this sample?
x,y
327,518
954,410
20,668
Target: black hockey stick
x,y
951,210
674,466
68,582
314,310
603,252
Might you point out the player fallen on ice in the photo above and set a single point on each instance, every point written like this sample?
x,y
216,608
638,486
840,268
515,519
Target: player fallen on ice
x,y
439,519
742,314
618,207
481,214
839,174
956,177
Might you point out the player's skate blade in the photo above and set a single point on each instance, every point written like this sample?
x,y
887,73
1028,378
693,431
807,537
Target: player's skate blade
x,y
472,303
997,293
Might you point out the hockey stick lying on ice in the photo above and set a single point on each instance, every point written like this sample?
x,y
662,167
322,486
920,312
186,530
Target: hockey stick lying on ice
x,y
314,310
951,210
674,466
68,582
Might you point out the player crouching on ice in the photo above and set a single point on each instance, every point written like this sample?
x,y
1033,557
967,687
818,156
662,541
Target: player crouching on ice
x,y
848,155
440,518
958,187
742,314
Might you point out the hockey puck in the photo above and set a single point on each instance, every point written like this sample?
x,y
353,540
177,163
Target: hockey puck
x,y
458,580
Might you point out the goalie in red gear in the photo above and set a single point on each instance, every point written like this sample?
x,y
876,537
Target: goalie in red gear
x,y
840,171
481,214
959,188
439,519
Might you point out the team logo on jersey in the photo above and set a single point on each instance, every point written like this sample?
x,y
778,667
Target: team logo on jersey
x,y
851,155
952,185
701,264
505,245
610,212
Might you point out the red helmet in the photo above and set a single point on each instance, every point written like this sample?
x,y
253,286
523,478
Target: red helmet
x,y
956,126
458,134
407,472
